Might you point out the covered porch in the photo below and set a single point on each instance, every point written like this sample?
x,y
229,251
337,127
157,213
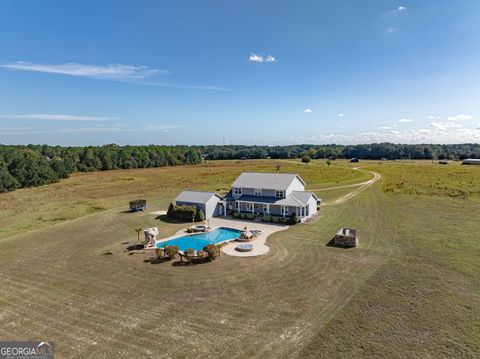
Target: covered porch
x,y
265,208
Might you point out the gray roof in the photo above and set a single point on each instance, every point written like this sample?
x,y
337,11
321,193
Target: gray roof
x,y
471,160
196,196
302,197
296,198
276,181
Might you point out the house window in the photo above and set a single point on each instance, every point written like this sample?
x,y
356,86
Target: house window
x,y
238,206
257,192
249,206
306,210
280,194
237,190
265,208
285,210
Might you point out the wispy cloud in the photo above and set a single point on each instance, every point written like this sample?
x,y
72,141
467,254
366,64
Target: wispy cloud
x,y
308,110
433,117
390,30
461,117
405,120
56,117
143,75
118,72
402,8
341,115
94,129
260,58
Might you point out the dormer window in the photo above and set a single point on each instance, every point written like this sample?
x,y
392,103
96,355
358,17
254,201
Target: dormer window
x,y
257,192
280,194
237,190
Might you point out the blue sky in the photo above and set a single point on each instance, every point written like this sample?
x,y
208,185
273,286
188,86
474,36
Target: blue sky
x,y
243,72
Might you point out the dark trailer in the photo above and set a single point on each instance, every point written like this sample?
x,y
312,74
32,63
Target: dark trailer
x,y
138,205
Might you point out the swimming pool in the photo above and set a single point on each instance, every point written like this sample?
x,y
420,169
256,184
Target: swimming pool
x,y
199,240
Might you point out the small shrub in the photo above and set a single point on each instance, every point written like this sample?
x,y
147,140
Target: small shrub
x,y
293,219
200,216
171,251
306,159
236,214
189,253
266,218
212,251
189,230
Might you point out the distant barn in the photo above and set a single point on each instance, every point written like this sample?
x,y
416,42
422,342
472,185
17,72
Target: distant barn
x,y
471,161
354,160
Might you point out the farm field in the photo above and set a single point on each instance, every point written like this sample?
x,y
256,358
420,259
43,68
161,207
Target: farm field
x,y
410,290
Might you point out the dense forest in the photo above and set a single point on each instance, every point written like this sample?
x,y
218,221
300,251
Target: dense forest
x,y
35,165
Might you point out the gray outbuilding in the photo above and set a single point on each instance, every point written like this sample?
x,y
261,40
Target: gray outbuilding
x,y
471,161
208,202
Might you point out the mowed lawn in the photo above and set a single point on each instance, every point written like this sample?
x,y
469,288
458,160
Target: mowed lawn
x,y
410,290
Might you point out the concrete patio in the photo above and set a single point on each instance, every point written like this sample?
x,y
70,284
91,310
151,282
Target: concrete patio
x,y
259,246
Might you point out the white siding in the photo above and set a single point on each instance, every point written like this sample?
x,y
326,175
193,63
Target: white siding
x,y
296,185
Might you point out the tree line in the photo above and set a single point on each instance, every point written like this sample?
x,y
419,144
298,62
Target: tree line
x,y
36,165
373,151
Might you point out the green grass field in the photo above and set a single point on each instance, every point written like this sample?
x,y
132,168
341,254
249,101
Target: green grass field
x,y
412,288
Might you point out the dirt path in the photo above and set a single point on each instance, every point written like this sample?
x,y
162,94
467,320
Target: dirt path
x,y
362,186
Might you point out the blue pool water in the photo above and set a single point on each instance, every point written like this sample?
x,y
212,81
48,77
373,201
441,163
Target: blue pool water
x,y
199,240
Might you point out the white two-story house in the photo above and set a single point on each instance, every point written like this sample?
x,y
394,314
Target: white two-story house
x,y
278,194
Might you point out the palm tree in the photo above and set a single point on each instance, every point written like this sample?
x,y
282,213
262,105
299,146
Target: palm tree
x,y
138,230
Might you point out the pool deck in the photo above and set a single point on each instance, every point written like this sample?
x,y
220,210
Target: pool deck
x,y
259,246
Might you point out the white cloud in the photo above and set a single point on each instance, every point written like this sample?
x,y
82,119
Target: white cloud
x,y
55,117
430,135
308,110
270,58
341,114
390,30
385,128
401,8
432,117
444,126
405,120
259,58
461,117
117,72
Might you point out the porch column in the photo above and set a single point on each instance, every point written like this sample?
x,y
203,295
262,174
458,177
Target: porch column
x,y
268,209
283,211
225,209
253,207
